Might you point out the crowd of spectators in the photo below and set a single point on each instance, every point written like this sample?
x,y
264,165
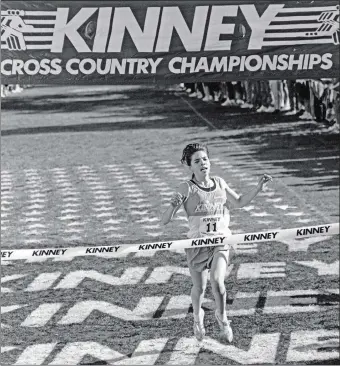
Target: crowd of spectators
x,y
310,100
8,89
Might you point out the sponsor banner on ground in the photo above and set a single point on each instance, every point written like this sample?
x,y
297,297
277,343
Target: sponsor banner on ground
x,y
108,42
120,250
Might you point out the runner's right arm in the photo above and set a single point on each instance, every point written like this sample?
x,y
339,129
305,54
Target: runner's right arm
x,y
175,203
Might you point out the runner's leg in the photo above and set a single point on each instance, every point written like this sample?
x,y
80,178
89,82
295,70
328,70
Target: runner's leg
x,y
199,281
218,272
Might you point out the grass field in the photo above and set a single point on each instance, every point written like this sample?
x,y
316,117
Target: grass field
x,y
98,167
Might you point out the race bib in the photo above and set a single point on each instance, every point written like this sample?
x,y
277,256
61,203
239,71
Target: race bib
x,y
214,225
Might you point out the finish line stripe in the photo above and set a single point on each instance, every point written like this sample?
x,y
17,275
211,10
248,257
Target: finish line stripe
x,y
118,250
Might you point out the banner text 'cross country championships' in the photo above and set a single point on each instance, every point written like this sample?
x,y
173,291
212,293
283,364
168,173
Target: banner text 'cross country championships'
x,y
104,42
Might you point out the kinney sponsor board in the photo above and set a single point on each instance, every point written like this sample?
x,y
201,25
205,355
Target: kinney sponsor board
x,y
103,42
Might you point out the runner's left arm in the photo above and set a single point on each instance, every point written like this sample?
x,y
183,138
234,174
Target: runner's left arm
x,y
238,201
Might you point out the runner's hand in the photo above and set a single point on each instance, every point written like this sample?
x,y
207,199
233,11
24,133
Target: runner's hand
x,y
264,180
176,200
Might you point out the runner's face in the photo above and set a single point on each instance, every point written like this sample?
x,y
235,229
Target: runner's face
x,y
200,164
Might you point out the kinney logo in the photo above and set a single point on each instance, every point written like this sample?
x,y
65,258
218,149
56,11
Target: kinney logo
x,y
103,29
13,28
329,26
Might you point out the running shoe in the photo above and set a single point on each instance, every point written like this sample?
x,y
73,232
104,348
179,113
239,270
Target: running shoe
x,y
246,105
269,109
199,329
292,112
261,109
229,103
306,116
226,331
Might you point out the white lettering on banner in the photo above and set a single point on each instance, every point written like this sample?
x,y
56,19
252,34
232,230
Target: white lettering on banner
x,y
300,301
144,310
100,38
314,345
31,67
35,354
262,350
131,276
41,315
88,66
155,32
69,29
217,27
172,18
324,269
176,65
125,20
262,270
253,63
259,24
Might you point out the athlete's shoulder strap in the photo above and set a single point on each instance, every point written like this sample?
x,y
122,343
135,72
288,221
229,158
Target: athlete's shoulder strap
x,y
185,189
220,181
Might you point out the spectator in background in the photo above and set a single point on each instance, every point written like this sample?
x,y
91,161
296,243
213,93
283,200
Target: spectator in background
x,y
248,89
190,88
3,91
229,93
302,87
310,100
263,99
275,86
293,101
8,88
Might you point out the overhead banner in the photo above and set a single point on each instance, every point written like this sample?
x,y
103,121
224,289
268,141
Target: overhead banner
x,y
110,42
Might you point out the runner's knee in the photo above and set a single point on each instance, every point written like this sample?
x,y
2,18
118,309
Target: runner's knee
x,y
217,282
198,289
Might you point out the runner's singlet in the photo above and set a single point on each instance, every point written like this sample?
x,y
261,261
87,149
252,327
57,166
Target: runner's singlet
x,y
207,216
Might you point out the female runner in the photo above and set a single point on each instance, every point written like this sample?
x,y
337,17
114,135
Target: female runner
x,y
206,201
